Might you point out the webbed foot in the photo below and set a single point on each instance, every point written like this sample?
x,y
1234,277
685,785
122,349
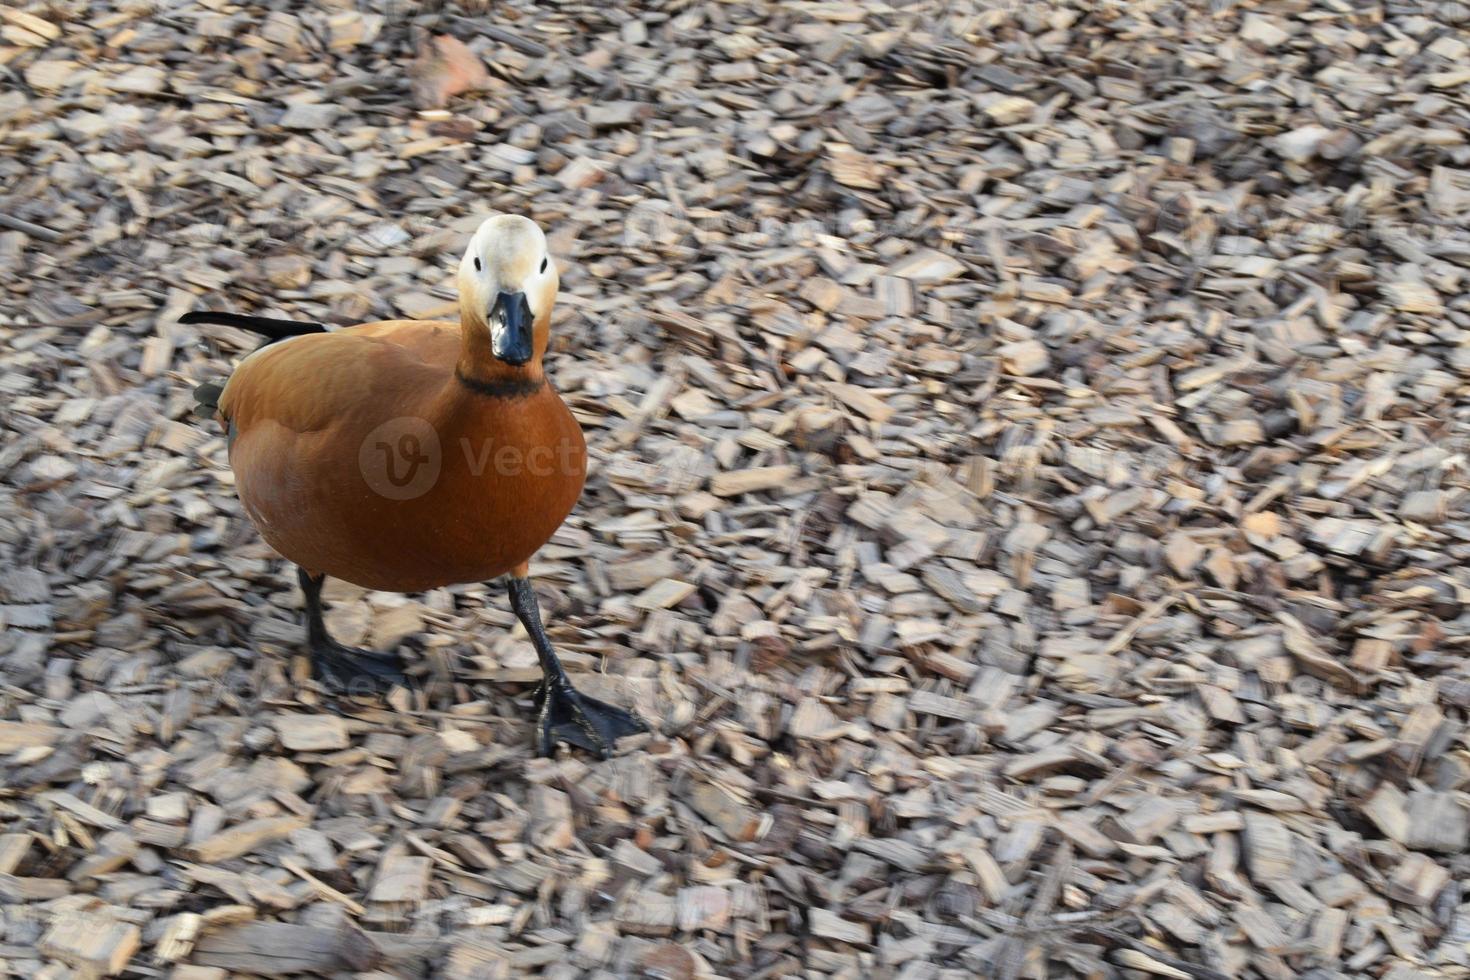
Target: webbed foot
x,y
566,714
359,673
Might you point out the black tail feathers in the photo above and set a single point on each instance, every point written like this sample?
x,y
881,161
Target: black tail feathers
x,y
206,399
273,330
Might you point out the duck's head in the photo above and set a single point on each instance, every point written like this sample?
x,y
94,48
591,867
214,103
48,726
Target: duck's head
x,y
507,285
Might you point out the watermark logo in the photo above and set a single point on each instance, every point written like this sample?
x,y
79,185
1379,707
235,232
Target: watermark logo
x,y
404,458
401,458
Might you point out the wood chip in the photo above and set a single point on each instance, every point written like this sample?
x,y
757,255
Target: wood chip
x,y
310,733
90,944
244,838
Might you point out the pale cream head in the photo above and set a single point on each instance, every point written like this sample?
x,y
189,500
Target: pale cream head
x,y
507,264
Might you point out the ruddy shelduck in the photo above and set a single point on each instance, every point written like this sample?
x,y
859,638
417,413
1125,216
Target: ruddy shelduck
x,y
410,454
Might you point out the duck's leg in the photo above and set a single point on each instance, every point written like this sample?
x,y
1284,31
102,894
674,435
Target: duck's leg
x,y
339,667
563,712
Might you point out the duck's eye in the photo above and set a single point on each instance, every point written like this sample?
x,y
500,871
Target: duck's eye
x,y
543,264
477,263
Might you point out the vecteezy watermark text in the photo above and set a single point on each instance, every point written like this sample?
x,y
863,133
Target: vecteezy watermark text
x,y
404,458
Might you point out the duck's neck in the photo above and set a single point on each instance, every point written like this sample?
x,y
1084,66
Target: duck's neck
x,y
480,372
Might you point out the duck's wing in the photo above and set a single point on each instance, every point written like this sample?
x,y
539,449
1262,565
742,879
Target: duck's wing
x,y
321,380
207,395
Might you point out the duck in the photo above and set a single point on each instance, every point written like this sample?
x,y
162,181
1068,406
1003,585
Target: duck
x,y
408,455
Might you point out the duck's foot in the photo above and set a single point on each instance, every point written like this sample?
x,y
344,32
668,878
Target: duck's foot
x,y
359,673
566,714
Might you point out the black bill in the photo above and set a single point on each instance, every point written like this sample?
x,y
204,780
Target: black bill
x,y
510,328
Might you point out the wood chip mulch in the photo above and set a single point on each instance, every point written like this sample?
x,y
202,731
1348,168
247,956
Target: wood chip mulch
x,y
1028,496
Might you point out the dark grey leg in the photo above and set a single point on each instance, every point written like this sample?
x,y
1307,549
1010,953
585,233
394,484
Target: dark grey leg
x,y
563,712
342,668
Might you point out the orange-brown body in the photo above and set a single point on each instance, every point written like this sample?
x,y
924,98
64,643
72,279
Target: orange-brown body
x,y
332,445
